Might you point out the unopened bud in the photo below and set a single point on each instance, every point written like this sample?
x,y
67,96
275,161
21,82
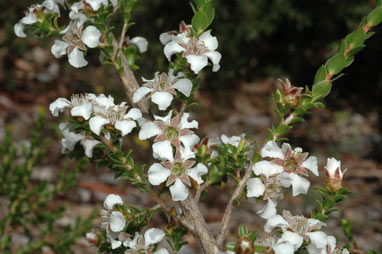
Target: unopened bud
x,y
93,238
334,175
245,246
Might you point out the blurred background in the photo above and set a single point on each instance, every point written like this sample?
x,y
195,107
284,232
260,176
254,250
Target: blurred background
x,y
261,41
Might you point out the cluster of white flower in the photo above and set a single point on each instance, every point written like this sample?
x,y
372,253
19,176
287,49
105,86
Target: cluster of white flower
x,y
100,111
173,135
114,222
283,171
32,16
76,38
196,50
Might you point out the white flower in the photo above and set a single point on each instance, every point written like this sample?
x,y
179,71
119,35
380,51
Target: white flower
x,y
197,51
233,140
334,175
138,41
71,138
74,43
162,88
141,244
79,105
291,162
48,6
106,113
171,132
177,174
297,229
111,220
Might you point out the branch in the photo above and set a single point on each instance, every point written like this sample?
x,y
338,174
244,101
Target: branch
x,y
228,211
123,34
200,190
193,215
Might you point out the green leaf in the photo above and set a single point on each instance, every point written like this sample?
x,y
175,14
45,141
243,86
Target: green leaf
x,y
259,248
231,246
282,129
355,38
375,17
355,50
335,64
243,230
320,74
209,11
199,21
322,89
200,3
297,120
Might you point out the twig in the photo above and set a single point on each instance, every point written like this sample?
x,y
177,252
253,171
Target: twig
x,y
228,211
123,34
200,190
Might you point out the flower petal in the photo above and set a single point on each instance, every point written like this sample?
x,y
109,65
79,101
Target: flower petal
x,y
134,114
59,48
18,28
172,48
255,187
90,36
163,150
185,124
272,150
188,141
148,130
210,41
58,106
140,93
311,164
117,221
158,174
84,110
318,238
184,86
275,221
162,99
165,119
153,236
96,123
76,58
267,168
112,200
89,144
293,238
161,251
197,172
268,211
178,191
140,42
284,248
197,62
125,126
215,58
299,184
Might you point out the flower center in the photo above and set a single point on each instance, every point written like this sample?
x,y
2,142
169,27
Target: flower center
x,y
290,164
177,169
115,114
273,190
162,83
299,224
195,47
171,132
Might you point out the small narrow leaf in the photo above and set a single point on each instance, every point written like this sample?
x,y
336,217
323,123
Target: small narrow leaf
x,y
375,17
320,74
335,64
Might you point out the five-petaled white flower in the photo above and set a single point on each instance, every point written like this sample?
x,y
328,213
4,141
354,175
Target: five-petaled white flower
x,y
143,244
80,105
197,51
296,230
111,220
290,163
162,88
177,174
75,41
140,42
171,132
31,16
114,116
